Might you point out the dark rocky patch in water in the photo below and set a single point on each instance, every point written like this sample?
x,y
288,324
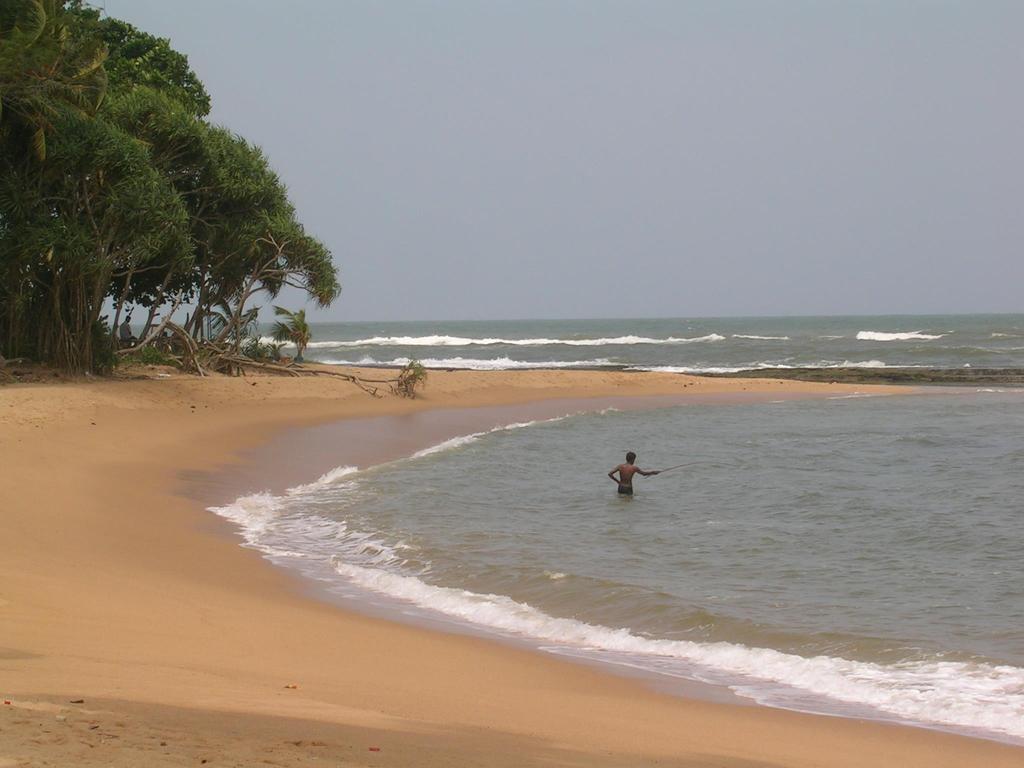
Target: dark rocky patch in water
x,y
963,376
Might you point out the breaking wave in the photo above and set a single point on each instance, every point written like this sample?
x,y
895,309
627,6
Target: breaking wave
x,y
466,341
476,364
898,336
965,694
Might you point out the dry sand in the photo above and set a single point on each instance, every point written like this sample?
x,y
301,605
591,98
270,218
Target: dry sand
x,y
119,590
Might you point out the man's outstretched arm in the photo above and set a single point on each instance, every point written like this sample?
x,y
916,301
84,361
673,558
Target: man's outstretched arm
x,y
648,474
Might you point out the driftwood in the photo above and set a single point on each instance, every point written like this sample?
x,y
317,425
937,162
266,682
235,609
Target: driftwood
x,y
204,357
155,333
223,359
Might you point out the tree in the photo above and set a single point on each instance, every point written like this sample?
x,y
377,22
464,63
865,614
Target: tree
x,y
175,140
248,239
114,186
44,72
293,329
137,58
97,207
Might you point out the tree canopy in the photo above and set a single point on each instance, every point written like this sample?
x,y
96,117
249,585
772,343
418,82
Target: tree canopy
x,y
115,190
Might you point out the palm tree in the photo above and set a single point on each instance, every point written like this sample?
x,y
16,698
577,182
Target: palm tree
x,y
295,329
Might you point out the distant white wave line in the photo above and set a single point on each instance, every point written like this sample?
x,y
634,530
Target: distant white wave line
x,y
465,341
760,338
757,367
962,694
898,336
476,364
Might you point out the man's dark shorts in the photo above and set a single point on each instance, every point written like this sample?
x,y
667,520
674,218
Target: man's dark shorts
x,y
625,490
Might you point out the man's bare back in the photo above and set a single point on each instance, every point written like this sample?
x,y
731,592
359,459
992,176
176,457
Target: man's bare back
x,y
626,472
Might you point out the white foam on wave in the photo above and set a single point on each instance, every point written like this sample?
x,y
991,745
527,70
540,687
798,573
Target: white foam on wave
x,y
898,336
438,340
447,445
475,364
969,695
328,478
252,513
461,440
759,338
861,364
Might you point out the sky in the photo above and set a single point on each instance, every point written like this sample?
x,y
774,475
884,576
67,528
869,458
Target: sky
x,y
548,159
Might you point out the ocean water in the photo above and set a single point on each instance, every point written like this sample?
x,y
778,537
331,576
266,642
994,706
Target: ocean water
x,y
683,345
857,556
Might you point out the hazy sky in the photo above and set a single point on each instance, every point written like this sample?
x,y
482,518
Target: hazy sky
x,y
613,159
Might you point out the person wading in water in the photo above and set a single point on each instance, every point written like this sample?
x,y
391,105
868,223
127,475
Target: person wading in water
x,y
626,472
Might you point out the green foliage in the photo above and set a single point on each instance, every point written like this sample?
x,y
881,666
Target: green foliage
x,y
152,356
44,71
94,208
412,377
293,328
138,58
260,350
113,186
104,359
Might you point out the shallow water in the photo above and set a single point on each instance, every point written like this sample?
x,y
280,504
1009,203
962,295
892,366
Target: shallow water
x,y
853,555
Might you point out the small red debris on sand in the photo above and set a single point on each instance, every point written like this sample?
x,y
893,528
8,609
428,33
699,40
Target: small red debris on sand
x,y
291,686
375,749
7,701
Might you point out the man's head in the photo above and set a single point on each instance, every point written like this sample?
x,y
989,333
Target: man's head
x,y
631,458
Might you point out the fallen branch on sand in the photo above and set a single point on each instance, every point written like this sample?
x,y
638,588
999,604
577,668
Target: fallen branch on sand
x,y
205,357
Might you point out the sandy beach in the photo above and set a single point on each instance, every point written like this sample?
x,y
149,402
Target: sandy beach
x,y
121,592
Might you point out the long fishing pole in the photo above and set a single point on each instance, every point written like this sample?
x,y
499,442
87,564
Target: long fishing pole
x,y
688,464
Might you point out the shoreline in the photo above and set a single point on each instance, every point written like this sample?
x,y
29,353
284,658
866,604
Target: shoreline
x,y
332,444
901,375
119,592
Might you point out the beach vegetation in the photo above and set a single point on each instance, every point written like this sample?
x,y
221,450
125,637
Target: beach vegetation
x,y
117,195
258,349
413,376
292,329
152,355
104,357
